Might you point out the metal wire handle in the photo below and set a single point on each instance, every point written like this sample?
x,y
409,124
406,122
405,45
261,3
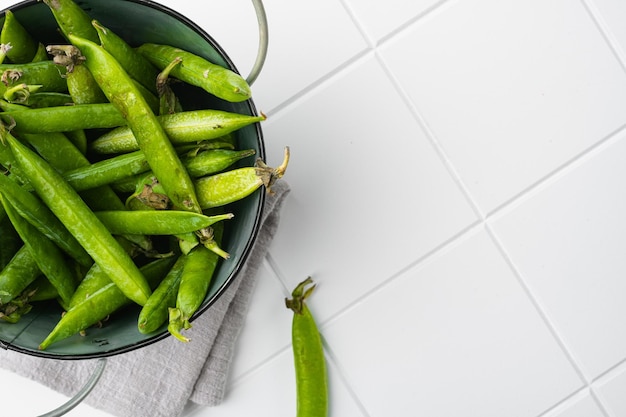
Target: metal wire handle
x,y
263,42
80,395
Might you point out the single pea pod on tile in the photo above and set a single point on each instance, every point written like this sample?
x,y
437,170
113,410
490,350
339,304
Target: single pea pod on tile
x,y
195,70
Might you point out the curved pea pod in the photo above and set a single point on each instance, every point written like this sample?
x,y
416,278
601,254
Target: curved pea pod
x,y
230,186
152,139
157,222
47,255
102,303
195,70
135,64
21,270
308,354
65,118
71,18
198,269
48,99
78,218
155,313
23,45
181,128
37,214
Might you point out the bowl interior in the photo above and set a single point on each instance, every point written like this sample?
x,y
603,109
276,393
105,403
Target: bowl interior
x,y
139,22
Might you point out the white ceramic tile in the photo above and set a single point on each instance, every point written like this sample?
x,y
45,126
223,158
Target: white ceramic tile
x,y
585,406
567,242
611,390
380,18
613,14
267,328
271,391
510,94
461,338
369,194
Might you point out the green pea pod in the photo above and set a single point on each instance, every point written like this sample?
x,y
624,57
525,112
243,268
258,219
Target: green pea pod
x,y
82,87
47,74
41,289
21,270
107,171
48,256
23,45
71,18
195,70
155,313
200,265
212,161
41,54
104,302
123,169
138,67
160,153
48,99
37,214
65,118
308,354
230,186
157,222
78,218
184,127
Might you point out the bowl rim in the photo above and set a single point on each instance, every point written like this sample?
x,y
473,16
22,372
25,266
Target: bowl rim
x,y
257,222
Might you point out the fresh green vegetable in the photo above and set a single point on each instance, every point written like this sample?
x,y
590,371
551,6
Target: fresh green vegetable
x,y
308,353
195,70
67,205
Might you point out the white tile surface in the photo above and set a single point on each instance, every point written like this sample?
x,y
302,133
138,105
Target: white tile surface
x,y
461,326
566,241
611,390
457,192
510,94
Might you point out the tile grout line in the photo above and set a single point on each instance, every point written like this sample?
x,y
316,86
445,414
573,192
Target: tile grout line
x,y
605,31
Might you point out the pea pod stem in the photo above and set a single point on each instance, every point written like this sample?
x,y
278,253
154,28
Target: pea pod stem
x,y
308,353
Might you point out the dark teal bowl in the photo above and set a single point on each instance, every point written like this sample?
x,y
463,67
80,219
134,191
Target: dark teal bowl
x,y
138,22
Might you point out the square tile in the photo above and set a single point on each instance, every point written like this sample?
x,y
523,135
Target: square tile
x,y
567,240
509,94
267,328
613,14
460,338
378,19
369,195
611,390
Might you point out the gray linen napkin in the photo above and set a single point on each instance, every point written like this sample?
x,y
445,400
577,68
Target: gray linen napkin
x,y
159,379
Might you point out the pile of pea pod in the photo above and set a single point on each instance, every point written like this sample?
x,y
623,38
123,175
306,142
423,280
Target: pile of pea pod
x,y
111,192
